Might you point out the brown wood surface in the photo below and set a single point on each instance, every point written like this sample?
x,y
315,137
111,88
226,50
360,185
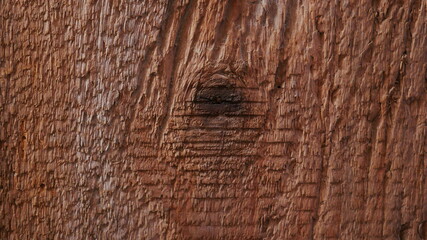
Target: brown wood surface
x,y
213,119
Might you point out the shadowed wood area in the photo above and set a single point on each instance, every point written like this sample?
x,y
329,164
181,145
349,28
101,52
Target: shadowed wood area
x,y
213,119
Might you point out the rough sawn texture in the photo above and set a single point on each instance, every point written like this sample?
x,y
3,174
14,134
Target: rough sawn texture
x,y
214,119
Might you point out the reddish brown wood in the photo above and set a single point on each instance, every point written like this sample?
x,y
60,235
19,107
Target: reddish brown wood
x,y
213,119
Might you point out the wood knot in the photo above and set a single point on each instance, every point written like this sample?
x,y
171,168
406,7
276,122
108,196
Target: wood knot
x,y
218,97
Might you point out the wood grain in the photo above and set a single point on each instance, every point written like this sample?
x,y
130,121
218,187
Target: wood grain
x,y
213,119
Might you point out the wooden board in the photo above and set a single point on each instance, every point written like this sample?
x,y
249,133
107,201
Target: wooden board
x,y
213,119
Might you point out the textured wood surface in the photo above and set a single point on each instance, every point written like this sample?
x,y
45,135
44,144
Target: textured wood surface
x,y
214,119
